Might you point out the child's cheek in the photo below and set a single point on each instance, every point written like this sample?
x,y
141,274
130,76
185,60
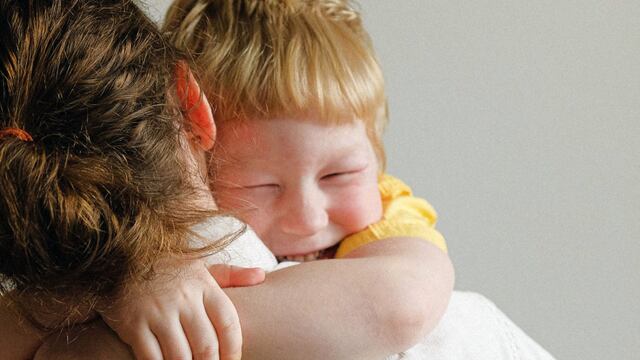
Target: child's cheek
x,y
358,209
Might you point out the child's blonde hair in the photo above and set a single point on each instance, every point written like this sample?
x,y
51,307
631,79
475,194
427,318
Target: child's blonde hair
x,y
265,59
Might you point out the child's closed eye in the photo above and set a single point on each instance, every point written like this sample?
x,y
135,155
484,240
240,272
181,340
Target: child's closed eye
x,y
249,188
342,175
334,175
262,187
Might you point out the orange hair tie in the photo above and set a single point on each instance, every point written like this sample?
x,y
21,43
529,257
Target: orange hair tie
x,y
17,133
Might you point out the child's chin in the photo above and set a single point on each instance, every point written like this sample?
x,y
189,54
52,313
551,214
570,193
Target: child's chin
x,y
328,253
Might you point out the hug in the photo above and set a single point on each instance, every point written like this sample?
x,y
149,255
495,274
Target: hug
x,y
139,166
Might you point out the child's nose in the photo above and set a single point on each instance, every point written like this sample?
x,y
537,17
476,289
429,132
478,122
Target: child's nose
x,y
306,214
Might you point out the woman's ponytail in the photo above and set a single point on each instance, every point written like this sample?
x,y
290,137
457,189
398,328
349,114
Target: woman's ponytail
x,y
96,193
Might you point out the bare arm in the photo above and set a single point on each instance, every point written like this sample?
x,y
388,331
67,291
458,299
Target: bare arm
x,y
382,299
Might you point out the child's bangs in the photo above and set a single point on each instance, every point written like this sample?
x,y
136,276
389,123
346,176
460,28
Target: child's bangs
x,y
330,72
314,69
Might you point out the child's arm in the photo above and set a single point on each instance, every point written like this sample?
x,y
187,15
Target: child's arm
x,y
19,340
381,299
181,313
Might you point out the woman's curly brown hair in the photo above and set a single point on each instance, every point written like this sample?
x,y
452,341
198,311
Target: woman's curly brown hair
x,y
100,193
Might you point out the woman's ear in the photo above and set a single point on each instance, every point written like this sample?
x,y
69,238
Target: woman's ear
x,y
201,127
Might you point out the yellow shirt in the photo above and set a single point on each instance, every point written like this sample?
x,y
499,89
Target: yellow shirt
x,y
403,215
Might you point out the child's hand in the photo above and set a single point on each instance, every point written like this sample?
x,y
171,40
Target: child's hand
x,y
184,314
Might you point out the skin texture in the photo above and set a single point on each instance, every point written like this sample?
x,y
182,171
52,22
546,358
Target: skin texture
x,y
301,186
380,300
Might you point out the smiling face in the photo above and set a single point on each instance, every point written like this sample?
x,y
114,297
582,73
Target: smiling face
x,y
301,186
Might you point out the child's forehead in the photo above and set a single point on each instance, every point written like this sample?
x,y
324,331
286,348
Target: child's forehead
x,y
254,130
288,137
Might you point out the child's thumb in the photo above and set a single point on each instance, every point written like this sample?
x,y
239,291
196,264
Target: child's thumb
x,y
234,276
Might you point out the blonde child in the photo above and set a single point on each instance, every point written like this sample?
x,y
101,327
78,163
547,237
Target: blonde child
x,y
300,106
99,184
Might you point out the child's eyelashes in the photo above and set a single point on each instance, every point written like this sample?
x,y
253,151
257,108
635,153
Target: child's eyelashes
x,y
269,186
335,175
248,188
341,175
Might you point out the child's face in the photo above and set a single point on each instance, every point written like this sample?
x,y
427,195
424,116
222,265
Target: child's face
x,y
301,186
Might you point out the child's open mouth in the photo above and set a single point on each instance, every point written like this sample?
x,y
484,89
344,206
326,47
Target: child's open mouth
x,y
328,253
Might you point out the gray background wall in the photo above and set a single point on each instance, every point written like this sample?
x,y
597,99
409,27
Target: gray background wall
x,y
518,120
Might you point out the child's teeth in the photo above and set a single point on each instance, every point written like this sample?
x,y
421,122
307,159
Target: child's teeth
x,y
302,258
311,256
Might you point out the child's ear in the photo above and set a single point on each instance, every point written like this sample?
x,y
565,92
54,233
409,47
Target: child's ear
x,y
195,107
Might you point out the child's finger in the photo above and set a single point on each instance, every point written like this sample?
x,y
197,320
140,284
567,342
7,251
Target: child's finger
x,y
173,341
145,345
201,334
231,276
225,320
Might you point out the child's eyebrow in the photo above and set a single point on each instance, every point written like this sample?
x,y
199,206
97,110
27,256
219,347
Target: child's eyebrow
x,y
352,148
247,151
251,157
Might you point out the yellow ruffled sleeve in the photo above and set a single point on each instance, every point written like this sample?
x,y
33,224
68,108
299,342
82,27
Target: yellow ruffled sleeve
x,y
403,216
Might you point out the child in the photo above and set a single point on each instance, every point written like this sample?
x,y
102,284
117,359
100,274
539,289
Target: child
x,y
300,108
298,93
99,185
